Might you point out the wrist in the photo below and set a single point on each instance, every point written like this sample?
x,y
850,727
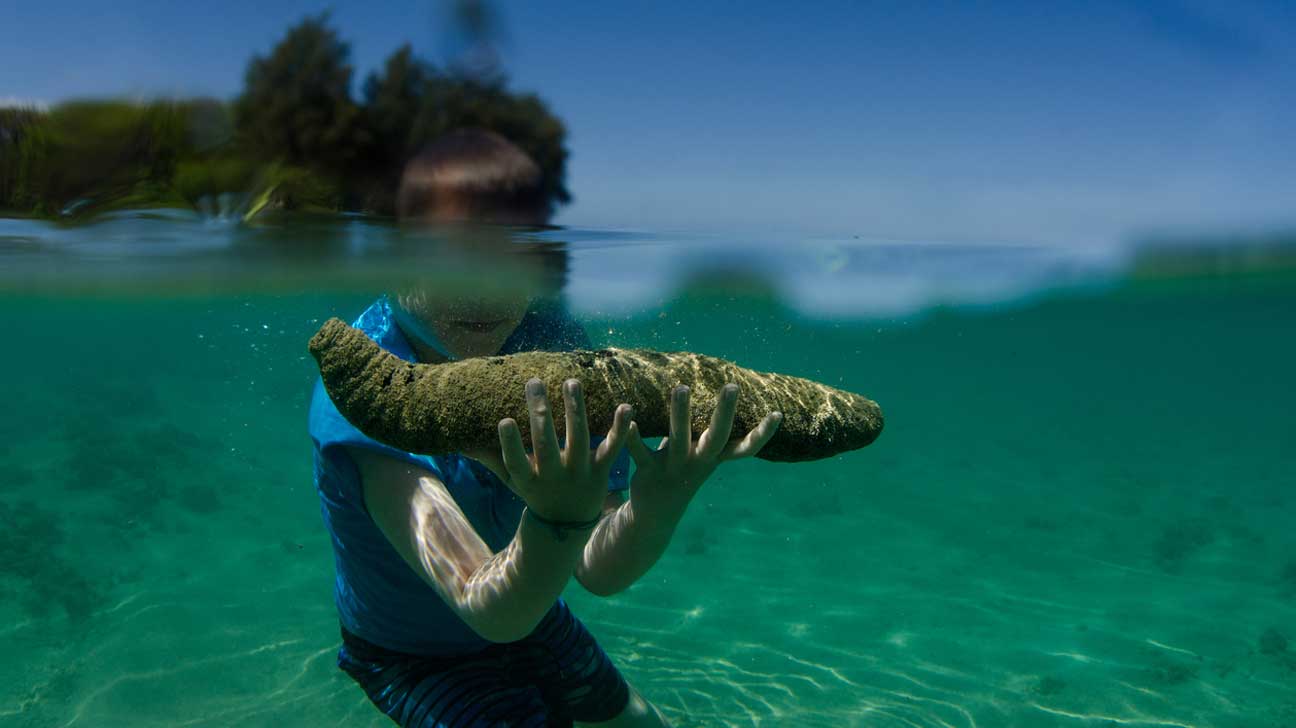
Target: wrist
x,y
562,529
654,521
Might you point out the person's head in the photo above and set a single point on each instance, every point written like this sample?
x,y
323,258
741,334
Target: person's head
x,y
464,187
473,176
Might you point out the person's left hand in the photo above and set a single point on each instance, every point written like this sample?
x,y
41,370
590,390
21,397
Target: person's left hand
x,y
666,479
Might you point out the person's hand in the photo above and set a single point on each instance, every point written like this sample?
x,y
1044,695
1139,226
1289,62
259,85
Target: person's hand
x,y
666,479
559,485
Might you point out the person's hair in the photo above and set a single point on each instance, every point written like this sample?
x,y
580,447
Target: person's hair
x,y
478,175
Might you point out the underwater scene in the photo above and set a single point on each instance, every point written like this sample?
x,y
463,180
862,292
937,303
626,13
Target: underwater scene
x,y
1079,513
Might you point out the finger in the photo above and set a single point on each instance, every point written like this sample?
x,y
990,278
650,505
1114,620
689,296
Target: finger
x,y
639,451
681,433
713,441
544,441
576,452
515,458
611,446
755,440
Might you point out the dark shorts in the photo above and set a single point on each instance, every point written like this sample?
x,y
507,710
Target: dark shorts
x,y
556,675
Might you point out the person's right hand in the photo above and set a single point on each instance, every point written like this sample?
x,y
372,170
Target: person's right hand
x,y
568,484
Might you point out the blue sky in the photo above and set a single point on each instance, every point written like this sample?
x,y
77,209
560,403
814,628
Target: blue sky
x,y
1080,123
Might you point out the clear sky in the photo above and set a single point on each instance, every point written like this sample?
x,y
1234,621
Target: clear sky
x,y
1054,122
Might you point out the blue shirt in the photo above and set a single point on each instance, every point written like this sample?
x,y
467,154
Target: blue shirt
x,y
379,597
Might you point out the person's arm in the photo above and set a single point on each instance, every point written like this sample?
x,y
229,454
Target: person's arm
x,y
500,596
621,551
627,543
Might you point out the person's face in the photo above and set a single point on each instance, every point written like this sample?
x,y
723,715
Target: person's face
x,y
468,325
475,308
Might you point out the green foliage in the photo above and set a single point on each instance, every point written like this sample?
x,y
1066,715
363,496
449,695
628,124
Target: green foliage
x,y
294,138
296,104
20,130
92,150
210,125
298,188
195,179
392,101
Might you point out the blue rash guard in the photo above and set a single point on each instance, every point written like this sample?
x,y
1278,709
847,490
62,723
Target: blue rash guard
x,y
379,597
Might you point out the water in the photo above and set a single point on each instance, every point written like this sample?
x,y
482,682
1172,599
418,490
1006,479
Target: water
x,y
1079,513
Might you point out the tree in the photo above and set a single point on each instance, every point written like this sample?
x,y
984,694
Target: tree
x,y
295,132
391,103
296,103
98,152
21,131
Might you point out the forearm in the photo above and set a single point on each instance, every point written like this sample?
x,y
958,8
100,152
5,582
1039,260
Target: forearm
x,y
510,592
622,549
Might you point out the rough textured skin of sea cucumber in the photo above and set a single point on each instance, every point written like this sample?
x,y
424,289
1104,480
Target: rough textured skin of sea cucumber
x,y
454,407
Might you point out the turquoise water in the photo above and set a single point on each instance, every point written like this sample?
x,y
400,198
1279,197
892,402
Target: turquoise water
x,y
1080,513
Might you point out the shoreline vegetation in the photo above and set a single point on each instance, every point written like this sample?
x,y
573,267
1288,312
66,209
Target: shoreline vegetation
x,y
294,139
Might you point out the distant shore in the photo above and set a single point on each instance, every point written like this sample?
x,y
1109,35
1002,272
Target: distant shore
x,y
294,139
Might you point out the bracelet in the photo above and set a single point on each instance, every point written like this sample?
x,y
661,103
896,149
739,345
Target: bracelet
x,y
560,528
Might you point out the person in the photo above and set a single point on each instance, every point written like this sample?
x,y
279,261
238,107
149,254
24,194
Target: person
x,y
449,568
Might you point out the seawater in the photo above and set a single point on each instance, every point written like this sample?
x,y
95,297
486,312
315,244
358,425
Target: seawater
x,y
1079,514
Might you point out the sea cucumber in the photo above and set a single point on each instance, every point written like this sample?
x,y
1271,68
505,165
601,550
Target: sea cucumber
x,y
454,407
